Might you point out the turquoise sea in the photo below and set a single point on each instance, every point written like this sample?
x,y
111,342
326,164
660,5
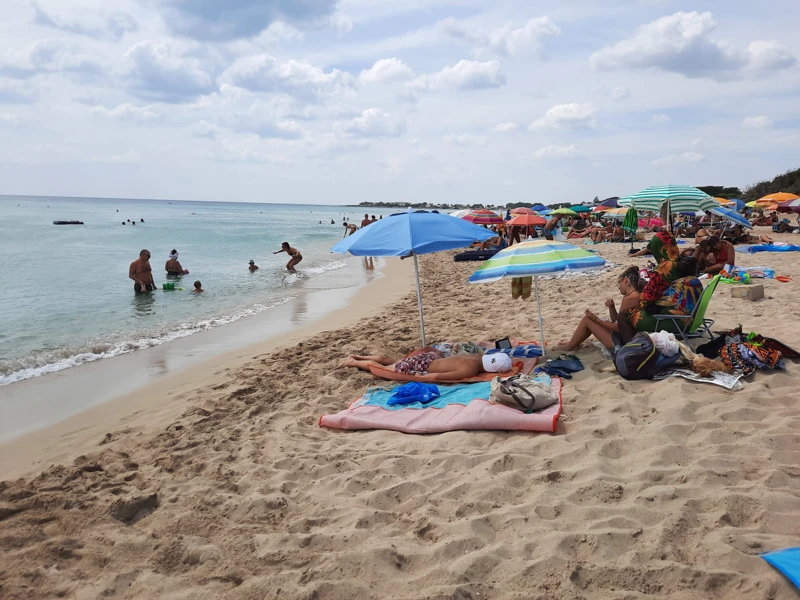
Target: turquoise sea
x,y
65,296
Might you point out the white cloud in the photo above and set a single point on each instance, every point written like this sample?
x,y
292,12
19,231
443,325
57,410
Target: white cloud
x,y
682,43
466,139
507,40
387,70
698,144
247,150
685,157
504,128
374,122
265,73
169,72
568,116
660,118
557,153
760,122
204,129
424,154
464,75
128,112
14,92
30,60
229,20
90,24
619,93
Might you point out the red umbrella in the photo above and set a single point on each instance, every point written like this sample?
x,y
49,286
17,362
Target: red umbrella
x,y
527,221
484,217
522,211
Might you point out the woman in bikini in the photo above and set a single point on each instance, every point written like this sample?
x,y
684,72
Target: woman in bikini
x,y
630,286
713,254
295,255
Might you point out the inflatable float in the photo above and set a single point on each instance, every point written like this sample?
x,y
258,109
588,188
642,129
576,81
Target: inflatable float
x,y
67,222
475,255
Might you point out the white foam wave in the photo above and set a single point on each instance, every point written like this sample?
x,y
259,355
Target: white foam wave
x,y
331,266
60,360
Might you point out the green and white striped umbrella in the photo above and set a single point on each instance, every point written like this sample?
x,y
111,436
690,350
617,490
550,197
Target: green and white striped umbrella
x,y
681,198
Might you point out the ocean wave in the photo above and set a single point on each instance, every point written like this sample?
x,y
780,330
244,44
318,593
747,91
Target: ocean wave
x,y
331,266
53,361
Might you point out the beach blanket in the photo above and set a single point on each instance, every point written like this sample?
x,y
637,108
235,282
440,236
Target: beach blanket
x,y
458,407
768,248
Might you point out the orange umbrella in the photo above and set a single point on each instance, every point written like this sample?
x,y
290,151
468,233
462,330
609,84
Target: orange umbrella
x,y
527,221
777,198
522,211
724,202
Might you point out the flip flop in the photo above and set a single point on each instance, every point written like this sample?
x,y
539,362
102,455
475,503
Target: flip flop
x,y
783,278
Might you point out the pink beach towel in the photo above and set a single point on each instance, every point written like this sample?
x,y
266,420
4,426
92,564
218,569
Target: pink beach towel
x,y
478,414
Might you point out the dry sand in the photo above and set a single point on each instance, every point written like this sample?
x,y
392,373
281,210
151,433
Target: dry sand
x,y
667,489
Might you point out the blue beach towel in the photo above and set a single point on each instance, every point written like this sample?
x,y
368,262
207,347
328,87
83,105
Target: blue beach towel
x,y
769,248
787,562
413,392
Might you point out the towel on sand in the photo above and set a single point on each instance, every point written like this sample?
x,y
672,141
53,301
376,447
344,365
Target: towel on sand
x,y
478,413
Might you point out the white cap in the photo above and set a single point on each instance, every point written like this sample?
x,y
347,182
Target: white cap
x,y
497,362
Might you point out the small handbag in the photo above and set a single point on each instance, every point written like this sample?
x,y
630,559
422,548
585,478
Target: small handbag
x,y
522,392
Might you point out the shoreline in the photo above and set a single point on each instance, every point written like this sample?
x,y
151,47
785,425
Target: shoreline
x,y
166,375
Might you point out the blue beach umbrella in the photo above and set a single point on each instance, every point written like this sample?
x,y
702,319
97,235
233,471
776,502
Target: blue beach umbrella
x,y
544,211
413,233
730,215
534,259
740,204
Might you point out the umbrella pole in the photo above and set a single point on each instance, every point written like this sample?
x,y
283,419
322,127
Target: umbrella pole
x,y
419,300
539,309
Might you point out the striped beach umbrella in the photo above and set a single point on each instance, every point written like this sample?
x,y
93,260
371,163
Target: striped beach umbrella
x,y
484,217
732,216
534,259
631,223
681,198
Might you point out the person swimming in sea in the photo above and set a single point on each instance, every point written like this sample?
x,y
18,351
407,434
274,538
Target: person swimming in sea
x,y
198,287
253,267
295,255
172,266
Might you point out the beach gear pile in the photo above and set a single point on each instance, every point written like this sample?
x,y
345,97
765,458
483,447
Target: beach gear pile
x,y
746,353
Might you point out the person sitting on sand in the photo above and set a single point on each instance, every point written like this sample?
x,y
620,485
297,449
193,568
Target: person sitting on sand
x,y
198,287
713,254
141,273
678,297
579,229
295,255
349,229
630,286
429,361
172,266
253,267
496,243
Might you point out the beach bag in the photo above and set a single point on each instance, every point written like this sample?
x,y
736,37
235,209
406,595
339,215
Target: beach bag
x,y
522,392
640,359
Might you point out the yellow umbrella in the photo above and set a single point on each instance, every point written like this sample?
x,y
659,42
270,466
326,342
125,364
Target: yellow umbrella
x,y
777,198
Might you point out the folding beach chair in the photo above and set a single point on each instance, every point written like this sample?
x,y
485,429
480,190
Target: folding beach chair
x,y
694,325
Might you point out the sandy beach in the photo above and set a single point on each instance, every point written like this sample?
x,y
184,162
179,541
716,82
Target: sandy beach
x,y
221,484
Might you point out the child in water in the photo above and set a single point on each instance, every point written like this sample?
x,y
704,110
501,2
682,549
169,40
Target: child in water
x,y
198,287
253,266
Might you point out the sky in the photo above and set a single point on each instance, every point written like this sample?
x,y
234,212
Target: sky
x,y
455,101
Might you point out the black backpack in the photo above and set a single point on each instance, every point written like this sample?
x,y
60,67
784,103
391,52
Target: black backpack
x,y
640,359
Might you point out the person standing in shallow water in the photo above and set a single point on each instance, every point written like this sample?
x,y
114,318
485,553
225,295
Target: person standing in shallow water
x,y
295,255
141,273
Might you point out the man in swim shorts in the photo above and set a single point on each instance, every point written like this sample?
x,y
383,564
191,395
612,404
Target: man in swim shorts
x,y
550,227
141,273
430,361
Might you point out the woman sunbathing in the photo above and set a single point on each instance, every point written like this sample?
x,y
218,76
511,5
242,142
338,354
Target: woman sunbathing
x,y
429,361
630,286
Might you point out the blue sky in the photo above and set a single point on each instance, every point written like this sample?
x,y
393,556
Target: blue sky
x,y
319,101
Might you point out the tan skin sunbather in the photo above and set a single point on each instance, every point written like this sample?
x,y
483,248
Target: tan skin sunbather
x,y
630,284
453,368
